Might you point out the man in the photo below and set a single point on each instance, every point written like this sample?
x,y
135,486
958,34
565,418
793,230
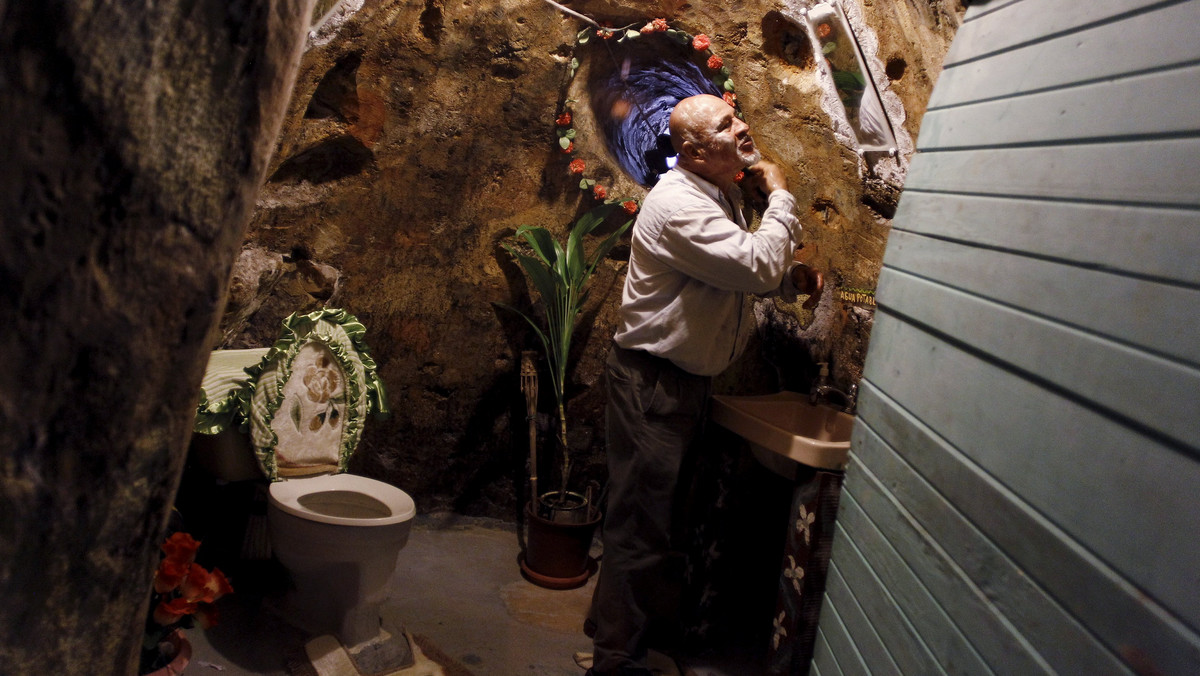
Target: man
x,y
683,319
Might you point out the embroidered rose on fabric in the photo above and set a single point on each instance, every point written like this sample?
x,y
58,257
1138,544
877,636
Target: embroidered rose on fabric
x,y
322,380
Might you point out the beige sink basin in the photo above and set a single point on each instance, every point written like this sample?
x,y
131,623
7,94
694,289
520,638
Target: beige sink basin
x,y
784,428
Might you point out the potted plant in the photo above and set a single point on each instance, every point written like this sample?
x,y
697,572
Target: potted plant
x,y
561,275
183,591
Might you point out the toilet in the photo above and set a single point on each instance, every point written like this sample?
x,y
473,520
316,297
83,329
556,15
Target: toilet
x,y
304,402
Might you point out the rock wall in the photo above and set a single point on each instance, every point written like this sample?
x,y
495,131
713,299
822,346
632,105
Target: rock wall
x,y
135,140
421,134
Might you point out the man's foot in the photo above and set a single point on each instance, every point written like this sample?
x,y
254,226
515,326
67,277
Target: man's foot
x,y
583,660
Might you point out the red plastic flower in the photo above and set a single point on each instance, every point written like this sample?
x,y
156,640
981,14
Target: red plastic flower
x,y
577,166
660,25
823,30
738,178
167,612
730,98
599,191
217,585
647,29
715,62
701,42
630,207
605,31
195,586
570,148
181,548
563,120
169,574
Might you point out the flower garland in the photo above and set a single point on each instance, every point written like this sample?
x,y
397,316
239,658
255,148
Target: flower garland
x,y
567,134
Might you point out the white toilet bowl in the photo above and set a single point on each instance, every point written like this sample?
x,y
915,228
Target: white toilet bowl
x,y
339,536
305,401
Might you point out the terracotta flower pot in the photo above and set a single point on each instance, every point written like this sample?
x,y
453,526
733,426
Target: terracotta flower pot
x,y
183,655
557,553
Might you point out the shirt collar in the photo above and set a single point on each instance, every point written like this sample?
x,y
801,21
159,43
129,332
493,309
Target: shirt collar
x,y
709,188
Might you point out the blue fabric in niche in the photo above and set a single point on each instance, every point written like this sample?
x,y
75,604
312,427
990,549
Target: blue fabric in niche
x,y
636,130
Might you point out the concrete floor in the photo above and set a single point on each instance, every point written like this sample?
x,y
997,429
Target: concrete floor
x,y
458,583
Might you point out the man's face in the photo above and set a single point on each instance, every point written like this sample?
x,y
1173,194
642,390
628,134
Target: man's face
x,y
729,141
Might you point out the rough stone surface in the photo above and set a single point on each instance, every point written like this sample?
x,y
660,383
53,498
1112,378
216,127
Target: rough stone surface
x,y
135,139
420,135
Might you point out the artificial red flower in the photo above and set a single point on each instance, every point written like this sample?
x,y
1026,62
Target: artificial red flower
x,y
730,98
738,178
715,62
218,585
570,148
630,207
701,42
647,29
577,166
660,25
599,191
563,120
169,574
194,587
171,611
823,30
181,548
605,31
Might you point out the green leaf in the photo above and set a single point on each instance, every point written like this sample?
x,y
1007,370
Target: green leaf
x,y
571,133
729,85
537,329
852,82
539,238
631,34
828,47
606,246
583,184
725,71
583,36
564,142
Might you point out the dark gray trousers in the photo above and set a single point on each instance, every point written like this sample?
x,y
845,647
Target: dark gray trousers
x,y
654,414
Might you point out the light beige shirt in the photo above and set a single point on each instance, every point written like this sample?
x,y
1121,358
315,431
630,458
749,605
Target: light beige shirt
x,y
692,262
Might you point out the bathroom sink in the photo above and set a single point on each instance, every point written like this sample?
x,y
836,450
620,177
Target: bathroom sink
x,y
784,429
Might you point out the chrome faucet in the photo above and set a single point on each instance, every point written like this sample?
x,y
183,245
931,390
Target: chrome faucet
x,y
823,392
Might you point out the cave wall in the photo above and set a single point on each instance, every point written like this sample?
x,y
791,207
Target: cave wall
x,y
421,134
135,140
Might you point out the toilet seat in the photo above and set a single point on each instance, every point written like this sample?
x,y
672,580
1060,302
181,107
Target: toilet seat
x,y
312,393
343,500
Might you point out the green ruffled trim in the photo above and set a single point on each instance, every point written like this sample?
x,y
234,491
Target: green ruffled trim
x,y
298,330
214,419
228,411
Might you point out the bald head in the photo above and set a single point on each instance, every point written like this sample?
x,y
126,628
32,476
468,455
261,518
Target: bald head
x,y
693,119
710,140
